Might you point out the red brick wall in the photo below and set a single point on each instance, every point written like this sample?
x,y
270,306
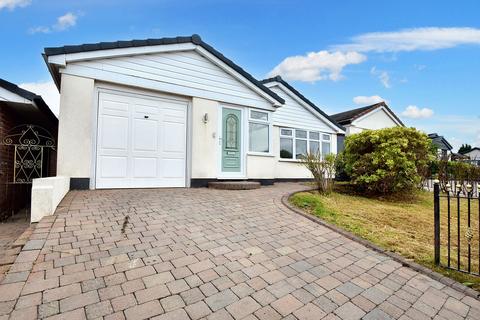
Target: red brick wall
x,y
7,122
15,196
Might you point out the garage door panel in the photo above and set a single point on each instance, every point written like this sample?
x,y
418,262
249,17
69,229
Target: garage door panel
x,y
114,133
145,135
114,106
144,109
173,168
141,143
113,167
174,115
145,167
173,137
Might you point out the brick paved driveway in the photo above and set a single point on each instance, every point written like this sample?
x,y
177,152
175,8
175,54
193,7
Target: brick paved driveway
x,y
209,254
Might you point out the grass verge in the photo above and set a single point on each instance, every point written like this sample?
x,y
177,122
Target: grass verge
x,y
404,226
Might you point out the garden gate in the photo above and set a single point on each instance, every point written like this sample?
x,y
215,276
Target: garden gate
x,y
456,228
31,151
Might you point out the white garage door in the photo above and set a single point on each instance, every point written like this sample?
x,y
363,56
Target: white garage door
x,y
141,142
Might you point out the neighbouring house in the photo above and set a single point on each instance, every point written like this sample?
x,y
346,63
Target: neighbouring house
x,y
28,132
175,112
444,148
373,117
473,156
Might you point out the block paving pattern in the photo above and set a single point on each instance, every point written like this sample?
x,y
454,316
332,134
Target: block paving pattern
x,y
209,254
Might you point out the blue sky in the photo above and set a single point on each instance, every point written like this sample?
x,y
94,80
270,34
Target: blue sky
x,y
422,57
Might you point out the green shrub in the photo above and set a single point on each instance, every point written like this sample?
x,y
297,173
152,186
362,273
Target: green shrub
x,y
389,160
456,172
340,171
322,170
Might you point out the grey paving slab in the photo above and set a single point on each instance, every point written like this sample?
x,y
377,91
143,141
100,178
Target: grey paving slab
x,y
210,254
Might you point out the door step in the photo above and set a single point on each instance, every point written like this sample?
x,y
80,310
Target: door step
x,y
234,185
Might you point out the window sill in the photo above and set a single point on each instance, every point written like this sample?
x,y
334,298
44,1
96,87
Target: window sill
x,y
290,160
260,154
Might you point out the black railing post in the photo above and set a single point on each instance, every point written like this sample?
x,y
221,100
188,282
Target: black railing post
x,y
436,223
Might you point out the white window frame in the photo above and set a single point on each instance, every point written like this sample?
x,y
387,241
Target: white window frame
x,y
308,139
270,131
322,140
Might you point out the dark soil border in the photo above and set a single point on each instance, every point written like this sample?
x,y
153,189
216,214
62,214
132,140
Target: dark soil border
x,y
400,259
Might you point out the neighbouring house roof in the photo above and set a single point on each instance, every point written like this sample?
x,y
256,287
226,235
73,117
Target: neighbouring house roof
x,y
474,148
194,39
440,142
304,99
33,98
347,117
459,156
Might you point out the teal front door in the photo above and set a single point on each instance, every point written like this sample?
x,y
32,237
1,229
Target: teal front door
x,y
231,142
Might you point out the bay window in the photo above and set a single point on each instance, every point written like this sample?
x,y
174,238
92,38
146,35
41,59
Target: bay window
x,y
295,143
259,132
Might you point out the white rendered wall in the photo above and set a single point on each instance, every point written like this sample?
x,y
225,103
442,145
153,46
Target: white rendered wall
x,y
75,127
46,195
204,138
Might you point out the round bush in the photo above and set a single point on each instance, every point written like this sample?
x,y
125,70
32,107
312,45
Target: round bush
x,y
389,160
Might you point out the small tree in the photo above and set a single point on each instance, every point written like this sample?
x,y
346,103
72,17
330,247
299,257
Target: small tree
x,y
322,170
389,160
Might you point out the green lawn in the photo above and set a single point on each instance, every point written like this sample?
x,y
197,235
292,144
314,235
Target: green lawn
x,y
398,225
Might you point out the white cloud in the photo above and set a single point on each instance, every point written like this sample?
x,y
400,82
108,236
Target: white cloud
x,y
316,66
39,29
63,23
367,100
66,21
415,112
12,4
47,90
419,67
429,38
382,75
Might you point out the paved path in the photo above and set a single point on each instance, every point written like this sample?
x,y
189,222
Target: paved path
x,y
209,254
10,230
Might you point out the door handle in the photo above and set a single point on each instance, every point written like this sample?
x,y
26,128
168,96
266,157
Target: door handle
x,y
146,117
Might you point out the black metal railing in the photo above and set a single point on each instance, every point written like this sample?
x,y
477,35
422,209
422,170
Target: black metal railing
x,y
455,186
457,228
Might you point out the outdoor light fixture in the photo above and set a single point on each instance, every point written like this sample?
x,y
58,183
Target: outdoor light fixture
x,y
469,188
436,181
205,118
448,187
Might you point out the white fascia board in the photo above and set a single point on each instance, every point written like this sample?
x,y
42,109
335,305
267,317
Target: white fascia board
x,y
9,96
63,59
378,110
305,105
237,76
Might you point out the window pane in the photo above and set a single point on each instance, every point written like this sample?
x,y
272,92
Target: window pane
x,y
315,135
286,132
301,134
258,137
286,148
314,147
257,115
325,148
301,148
231,132
326,137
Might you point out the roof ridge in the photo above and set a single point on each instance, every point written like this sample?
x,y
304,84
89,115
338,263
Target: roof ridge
x,y
194,38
